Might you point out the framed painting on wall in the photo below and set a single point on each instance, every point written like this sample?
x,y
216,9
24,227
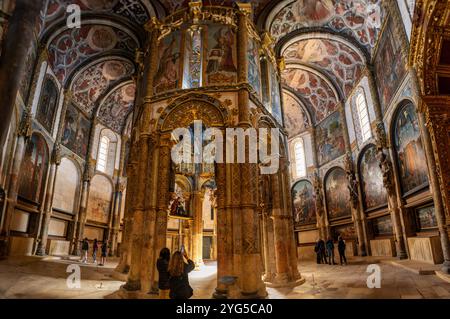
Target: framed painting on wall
x,y
426,218
337,194
304,204
382,226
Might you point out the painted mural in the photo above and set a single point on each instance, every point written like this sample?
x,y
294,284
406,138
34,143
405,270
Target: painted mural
x,y
132,9
330,139
76,131
374,193
337,194
410,153
221,57
295,117
90,84
426,217
33,169
48,104
360,18
275,97
347,232
314,89
168,76
389,67
115,108
100,197
382,226
74,46
338,60
254,74
304,203
28,69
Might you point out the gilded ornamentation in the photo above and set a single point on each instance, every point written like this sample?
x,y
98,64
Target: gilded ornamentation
x,y
351,177
25,125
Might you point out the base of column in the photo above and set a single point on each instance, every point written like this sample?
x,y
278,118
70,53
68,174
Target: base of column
x,y
40,250
3,248
119,275
220,294
132,285
402,255
289,284
446,267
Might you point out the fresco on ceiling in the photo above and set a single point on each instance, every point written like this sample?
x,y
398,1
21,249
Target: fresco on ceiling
x,y
360,18
254,74
410,153
134,10
116,107
304,204
374,193
100,197
337,194
275,98
426,218
347,232
48,103
74,46
76,131
382,226
33,169
314,89
338,60
167,76
193,57
330,139
95,80
221,57
389,67
295,118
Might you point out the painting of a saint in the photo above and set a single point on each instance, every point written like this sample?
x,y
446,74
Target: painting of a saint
x,y
382,226
76,131
426,218
47,105
33,167
410,153
275,94
330,139
254,74
221,66
347,232
304,204
313,10
374,193
167,76
337,194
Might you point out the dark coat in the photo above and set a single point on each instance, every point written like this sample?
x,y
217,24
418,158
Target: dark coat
x,y
179,286
341,245
162,265
85,245
321,246
330,244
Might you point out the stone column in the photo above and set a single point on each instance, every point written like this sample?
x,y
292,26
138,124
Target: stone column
x,y
48,203
115,225
23,134
15,50
197,256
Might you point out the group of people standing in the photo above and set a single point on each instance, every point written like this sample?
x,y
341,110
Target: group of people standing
x,y
95,246
173,272
325,251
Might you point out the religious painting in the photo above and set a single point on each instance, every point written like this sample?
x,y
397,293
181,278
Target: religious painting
x,y
411,158
46,109
330,139
33,168
389,67
347,232
30,58
117,106
337,194
382,226
295,117
100,197
254,74
178,206
168,71
221,57
304,204
374,193
76,131
275,98
426,218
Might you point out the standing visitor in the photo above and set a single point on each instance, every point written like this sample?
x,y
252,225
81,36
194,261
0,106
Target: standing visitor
x,y
163,265
84,249
104,252
317,251
179,280
341,249
94,250
323,255
330,251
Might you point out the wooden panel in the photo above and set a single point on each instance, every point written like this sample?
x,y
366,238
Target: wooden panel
x,y
382,247
426,249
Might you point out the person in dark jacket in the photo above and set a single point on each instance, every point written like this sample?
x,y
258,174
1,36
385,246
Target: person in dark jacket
x,y
162,265
84,249
104,251
330,251
179,280
341,249
322,254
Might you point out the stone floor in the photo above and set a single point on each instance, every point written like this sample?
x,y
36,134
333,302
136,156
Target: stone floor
x,y
35,277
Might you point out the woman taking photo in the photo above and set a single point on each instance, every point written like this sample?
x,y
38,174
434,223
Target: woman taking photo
x,y
162,265
179,280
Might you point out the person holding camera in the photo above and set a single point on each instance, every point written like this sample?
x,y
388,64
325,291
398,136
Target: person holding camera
x,y
179,279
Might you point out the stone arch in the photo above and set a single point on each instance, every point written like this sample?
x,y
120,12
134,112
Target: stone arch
x,y
67,185
99,205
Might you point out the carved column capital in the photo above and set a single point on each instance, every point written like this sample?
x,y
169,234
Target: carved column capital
x,y
24,128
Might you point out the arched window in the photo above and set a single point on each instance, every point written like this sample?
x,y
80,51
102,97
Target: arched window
x,y
363,116
103,154
299,158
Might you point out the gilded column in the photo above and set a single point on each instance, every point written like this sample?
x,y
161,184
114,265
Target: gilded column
x,y
197,256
